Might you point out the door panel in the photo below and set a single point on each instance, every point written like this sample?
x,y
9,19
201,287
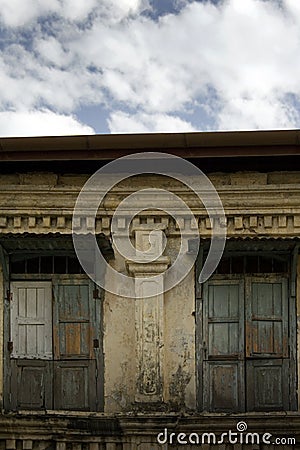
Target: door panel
x,y
75,385
73,319
76,329
267,349
267,317
32,384
223,370
267,385
54,363
246,368
224,390
31,320
31,338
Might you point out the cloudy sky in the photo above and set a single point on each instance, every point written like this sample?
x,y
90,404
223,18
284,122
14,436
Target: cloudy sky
x,y
111,66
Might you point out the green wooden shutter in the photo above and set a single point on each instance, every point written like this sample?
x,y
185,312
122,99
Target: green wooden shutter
x,y
267,343
223,348
76,334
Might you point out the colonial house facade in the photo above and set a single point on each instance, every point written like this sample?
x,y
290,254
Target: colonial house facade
x,y
87,368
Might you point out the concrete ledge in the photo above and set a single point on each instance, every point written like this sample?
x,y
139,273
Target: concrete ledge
x,y
115,432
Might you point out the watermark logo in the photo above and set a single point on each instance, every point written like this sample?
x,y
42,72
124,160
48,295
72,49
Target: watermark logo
x,y
240,436
93,197
241,426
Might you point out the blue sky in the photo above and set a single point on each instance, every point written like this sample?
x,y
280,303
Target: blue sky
x,y
127,66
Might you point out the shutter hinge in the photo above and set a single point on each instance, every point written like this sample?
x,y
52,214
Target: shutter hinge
x,y
96,343
96,293
10,346
9,296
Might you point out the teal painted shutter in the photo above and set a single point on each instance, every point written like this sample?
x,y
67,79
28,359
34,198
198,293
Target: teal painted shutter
x,y
76,333
267,344
223,348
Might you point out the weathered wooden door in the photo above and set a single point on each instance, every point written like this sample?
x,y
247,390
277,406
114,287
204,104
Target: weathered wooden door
x,y
31,345
267,343
245,348
76,345
55,345
223,345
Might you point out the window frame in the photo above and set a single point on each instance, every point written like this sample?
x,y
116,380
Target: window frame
x,y
272,248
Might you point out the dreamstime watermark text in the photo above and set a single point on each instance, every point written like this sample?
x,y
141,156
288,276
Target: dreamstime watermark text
x,y
238,436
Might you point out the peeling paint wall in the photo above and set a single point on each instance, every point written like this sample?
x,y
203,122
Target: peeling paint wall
x,y
180,391
272,200
119,353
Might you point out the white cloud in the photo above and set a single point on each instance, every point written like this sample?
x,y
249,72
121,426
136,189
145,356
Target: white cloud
x,y
258,113
52,52
119,9
244,52
40,123
121,122
18,13
31,82
241,49
15,13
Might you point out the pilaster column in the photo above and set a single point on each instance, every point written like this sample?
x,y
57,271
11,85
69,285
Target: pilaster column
x,y
149,315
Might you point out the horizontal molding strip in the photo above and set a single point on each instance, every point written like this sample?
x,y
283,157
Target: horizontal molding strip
x,y
246,225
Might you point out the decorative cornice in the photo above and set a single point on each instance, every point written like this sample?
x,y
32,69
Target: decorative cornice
x,y
245,225
255,204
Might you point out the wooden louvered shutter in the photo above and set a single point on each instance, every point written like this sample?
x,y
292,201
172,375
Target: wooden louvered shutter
x,y
75,336
267,343
223,326
31,336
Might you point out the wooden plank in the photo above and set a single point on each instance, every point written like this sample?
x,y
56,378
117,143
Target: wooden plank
x,y
267,344
224,378
32,384
21,340
267,317
268,389
74,385
31,302
31,340
21,301
72,337
93,446
61,446
40,339
76,446
73,319
76,324
31,319
223,348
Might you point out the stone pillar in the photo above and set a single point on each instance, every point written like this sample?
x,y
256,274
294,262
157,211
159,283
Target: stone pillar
x,y
149,315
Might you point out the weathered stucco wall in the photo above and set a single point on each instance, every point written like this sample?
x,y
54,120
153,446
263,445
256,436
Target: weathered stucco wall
x,y
119,353
180,379
256,205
